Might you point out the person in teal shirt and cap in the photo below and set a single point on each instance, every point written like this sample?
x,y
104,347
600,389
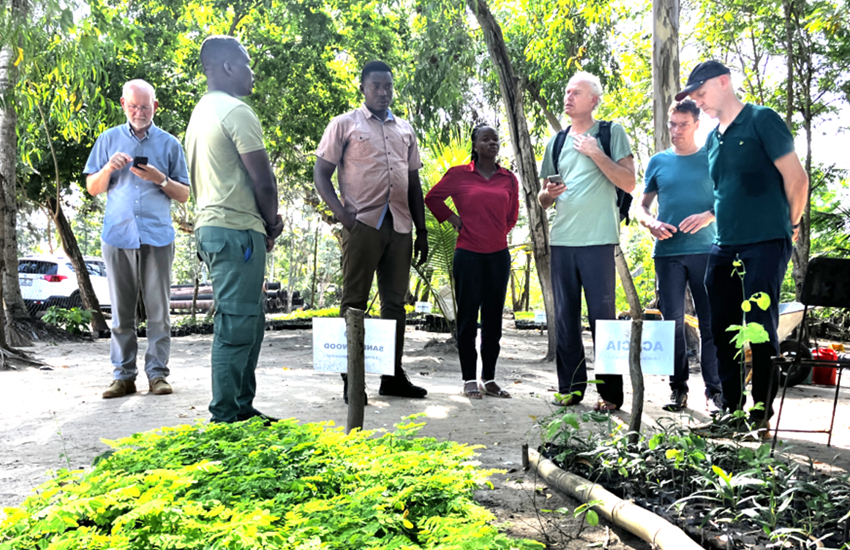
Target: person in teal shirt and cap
x,y
760,192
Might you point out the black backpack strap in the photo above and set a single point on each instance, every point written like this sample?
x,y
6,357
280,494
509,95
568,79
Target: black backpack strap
x,y
624,200
560,138
604,136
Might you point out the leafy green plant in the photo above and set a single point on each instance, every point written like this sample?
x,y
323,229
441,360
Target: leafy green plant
x,y
244,485
702,483
74,320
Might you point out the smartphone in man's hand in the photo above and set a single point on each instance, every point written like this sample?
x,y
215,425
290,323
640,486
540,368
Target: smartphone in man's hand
x,y
139,161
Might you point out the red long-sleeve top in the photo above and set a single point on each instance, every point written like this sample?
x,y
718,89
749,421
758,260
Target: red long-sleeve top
x,y
487,208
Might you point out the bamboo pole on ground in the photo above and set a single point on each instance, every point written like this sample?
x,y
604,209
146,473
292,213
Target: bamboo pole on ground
x,y
356,369
622,513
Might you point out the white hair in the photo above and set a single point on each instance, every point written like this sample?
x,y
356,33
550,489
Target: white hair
x,y
138,84
590,80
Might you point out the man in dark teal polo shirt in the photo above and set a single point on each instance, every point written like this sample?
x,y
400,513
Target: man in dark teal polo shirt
x,y
684,229
760,191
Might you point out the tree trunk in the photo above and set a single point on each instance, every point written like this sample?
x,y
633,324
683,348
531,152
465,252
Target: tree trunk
x,y
513,291
665,66
196,285
69,244
635,342
8,155
315,266
788,6
512,95
526,293
802,248
551,117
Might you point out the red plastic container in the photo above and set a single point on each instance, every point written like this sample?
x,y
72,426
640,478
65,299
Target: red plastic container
x,y
824,376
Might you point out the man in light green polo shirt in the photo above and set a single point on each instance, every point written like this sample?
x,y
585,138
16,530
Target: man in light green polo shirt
x,y
236,223
584,233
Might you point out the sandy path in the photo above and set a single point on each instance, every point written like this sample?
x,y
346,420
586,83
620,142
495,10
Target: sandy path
x,y
49,418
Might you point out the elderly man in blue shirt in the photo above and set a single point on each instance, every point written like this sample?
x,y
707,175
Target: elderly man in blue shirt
x,y
142,169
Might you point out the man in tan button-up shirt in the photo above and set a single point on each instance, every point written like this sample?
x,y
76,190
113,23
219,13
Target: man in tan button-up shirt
x,y
378,163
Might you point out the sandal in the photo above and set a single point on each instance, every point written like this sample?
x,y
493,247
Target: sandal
x,y
470,390
491,388
605,406
566,400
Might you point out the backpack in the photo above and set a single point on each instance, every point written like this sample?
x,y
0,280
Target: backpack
x,y
624,200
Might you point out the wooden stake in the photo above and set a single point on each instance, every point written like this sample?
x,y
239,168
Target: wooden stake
x,y
356,369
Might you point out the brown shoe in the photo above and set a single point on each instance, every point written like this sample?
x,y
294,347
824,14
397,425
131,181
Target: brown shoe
x,y
158,386
120,388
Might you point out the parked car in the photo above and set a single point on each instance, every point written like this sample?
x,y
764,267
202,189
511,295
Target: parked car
x,y
50,280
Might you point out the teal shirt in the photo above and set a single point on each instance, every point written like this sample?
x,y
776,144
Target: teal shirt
x,y
749,192
684,188
586,213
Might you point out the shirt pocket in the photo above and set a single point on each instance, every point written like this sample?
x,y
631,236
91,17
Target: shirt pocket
x,y
360,144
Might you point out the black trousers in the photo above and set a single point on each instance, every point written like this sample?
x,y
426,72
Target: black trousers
x,y
367,251
591,268
674,274
481,282
765,264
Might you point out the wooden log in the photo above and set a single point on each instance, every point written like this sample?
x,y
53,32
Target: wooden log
x,y
356,369
653,529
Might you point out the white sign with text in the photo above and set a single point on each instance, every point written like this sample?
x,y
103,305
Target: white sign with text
x,y
423,307
330,345
612,347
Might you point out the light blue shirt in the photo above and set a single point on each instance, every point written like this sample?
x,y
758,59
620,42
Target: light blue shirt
x,y
137,211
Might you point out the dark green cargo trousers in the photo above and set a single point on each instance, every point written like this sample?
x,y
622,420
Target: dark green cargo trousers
x,y
236,261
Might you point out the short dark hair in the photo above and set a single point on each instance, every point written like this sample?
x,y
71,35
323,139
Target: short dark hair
x,y
374,67
218,48
685,106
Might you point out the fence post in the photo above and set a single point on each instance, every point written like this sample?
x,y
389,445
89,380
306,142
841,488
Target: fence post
x,y
356,369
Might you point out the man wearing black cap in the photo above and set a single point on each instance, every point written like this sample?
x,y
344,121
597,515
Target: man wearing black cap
x,y
760,191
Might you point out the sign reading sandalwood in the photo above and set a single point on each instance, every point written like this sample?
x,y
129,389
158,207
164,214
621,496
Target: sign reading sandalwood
x,y
612,347
330,345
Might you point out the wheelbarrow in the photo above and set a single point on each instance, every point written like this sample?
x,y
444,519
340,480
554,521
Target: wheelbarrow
x,y
790,317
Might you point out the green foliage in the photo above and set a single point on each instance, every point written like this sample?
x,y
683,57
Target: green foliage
x,y
744,487
442,237
74,320
246,486
374,311
307,314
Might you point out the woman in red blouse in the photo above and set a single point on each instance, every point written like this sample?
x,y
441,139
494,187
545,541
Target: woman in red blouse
x,y
487,200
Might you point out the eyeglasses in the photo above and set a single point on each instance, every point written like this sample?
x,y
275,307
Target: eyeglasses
x,y
681,126
145,109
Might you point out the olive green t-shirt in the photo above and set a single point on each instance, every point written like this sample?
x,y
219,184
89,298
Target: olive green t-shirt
x,y
586,213
749,193
221,128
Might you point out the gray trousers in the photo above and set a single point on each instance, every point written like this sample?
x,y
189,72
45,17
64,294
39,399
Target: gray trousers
x,y
146,270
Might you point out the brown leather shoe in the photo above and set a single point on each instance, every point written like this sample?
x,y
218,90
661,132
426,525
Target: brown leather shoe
x,y
158,386
120,388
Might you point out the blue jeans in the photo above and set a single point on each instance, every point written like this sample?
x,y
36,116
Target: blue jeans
x,y
591,268
673,274
765,265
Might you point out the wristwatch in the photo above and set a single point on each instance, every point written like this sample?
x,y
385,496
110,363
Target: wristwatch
x,y
164,182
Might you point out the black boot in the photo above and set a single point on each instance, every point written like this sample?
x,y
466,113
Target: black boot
x,y
345,390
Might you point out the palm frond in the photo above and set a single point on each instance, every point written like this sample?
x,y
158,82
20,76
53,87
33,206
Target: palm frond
x,y
442,238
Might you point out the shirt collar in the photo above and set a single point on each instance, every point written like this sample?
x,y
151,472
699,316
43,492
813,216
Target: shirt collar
x,y
499,170
367,113
147,134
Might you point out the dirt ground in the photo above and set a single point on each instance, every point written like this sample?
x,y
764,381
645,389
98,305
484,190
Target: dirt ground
x,y
54,417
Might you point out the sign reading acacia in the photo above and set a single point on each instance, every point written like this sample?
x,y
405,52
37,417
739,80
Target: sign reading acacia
x,y
612,347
